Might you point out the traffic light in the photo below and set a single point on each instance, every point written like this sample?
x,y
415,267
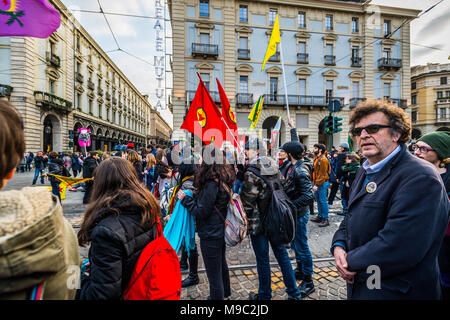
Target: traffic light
x,y
328,124
336,124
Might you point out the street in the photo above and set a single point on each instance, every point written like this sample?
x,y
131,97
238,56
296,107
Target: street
x,y
241,259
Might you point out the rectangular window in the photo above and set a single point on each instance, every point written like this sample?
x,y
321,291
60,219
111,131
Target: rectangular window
x,y
301,20
387,53
52,47
243,13
204,38
447,94
387,90
78,43
302,121
414,116
355,25
78,101
204,8
90,106
302,47
243,84
205,78
414,99
273,88
440,94
387,27
329,22
329,50
442,113
99,110
302,87
355,89
272,16
329,90
243,43
355,52
51,87
413,85
443,80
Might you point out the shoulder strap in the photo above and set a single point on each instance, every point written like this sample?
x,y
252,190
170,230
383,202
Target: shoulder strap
x,y
257,172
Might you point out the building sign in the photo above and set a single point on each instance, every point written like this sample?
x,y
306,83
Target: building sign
x,y
160,57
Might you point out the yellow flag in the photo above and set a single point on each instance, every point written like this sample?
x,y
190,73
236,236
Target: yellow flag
x,y
274,39
255,113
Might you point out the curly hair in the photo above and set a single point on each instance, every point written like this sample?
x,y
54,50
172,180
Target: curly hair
x,y
133,156
396,116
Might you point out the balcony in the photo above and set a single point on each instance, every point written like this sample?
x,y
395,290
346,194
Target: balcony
x,y
302,58
299,100
356,62
244,99
330,60
5,90
275,57
214,94
79,77
205,50
53,60
442,120
399,102
90,85
443,100
355,101
244,54
50,101
389,64
100,92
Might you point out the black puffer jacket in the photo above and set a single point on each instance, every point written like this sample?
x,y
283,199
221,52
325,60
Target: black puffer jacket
x,y
209,224
55,166
116,243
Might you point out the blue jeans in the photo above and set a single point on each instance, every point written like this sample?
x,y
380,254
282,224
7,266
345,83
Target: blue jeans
x,y
237,186
55,189
301,248
344,203
260,246
36,175
321,198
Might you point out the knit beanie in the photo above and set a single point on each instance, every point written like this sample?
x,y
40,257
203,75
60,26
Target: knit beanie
x,y
439,141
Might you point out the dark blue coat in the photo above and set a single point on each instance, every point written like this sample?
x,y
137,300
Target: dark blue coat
x,y
398,228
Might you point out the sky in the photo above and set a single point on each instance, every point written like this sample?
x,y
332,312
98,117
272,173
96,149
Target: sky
x,y
137,36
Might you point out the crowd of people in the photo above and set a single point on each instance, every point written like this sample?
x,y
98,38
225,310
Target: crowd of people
x,y
395,209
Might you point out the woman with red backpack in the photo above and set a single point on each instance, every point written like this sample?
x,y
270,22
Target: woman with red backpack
x,y
209,207
119,224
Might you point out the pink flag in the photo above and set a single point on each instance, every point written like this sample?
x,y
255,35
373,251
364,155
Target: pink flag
x,y
29,18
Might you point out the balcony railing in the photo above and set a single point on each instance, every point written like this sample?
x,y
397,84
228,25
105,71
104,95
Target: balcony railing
x,y
330,60
90,85
244,54
443,100
49,100
399,102
299,100
79,77
205,50
302,58
389,63
355,101
275,57
356,61
214,95
441,120
5,90
244,99
53,60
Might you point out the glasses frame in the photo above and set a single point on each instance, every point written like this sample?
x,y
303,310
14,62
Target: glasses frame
x,y
375,128
415,147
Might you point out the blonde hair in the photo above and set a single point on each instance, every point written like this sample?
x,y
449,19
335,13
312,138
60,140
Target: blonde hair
x,y
151,161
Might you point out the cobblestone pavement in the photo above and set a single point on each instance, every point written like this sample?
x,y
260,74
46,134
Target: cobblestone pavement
x,y
241,259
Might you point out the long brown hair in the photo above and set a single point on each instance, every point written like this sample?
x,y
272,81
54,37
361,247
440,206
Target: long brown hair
x,y
116,188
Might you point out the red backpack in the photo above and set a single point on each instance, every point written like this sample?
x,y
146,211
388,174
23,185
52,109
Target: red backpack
x,y
156,275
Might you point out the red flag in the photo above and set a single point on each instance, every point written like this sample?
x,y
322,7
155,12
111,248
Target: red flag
x,y
228,116
203,118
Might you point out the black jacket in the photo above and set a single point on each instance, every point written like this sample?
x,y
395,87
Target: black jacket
x,y
139,170
398,227
55,166
116,243
40,163
284,167
89,166
298,187
75,163
210,225
340,162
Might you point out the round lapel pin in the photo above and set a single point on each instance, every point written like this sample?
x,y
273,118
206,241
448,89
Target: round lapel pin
x,y
371,187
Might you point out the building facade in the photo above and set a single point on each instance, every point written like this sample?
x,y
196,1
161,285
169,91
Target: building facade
x,y
430,98
67,82
332,50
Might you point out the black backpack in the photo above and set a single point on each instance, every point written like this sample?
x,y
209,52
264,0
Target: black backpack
x,y
279,220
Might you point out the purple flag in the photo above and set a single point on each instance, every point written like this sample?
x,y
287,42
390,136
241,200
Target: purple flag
x,y
29,18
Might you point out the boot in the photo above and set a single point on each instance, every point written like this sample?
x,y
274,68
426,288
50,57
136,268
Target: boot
x,y
306,287
324,223
298,272
253,296
316,219
191,280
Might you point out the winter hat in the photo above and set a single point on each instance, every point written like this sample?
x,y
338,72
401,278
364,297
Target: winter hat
x,y
344,145
439,141
293,147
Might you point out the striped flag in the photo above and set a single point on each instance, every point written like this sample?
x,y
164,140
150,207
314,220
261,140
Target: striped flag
x,y
275,132
255,113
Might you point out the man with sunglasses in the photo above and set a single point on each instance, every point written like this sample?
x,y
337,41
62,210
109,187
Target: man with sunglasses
x,y
387,245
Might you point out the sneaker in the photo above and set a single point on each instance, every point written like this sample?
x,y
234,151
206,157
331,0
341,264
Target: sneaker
x,y
191,280
253,296
306,288
316,219
324,223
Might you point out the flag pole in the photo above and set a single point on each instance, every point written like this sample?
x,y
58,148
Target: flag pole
x,y
284,77
234,138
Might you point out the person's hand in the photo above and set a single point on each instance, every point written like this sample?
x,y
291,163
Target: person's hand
x,y
291,123
167,218
337,180
340,258
315,188
181,194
